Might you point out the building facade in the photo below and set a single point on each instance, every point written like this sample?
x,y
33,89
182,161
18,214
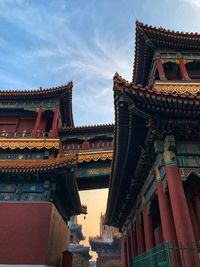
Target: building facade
x,y
44,161
154,194
76,236
107,244
38,189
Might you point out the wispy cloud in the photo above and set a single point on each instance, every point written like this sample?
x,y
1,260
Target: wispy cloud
x,y
60,51
194,3
48,44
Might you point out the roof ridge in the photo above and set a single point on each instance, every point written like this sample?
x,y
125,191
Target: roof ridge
x,y
164,30
69,85
87,126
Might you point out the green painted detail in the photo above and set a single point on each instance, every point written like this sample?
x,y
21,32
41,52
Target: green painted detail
x,y
23,156
169,143
159,146
158,256
92,172
24,191
169,158
188,148
162,172
161,255
188,161
31,105
93,169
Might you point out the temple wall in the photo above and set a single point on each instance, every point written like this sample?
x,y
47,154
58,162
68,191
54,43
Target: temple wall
x,y
31,233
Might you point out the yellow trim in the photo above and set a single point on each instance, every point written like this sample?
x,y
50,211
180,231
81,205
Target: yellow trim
x,y
178,88
29,143
95,156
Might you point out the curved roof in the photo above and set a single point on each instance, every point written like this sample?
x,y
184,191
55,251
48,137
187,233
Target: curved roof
x,y
38,165
169,97
36,93
148,39
87,128
63,93
135,108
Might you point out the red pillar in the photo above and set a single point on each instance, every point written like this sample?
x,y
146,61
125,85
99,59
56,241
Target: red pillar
x,y
133,241
148,229
160,69
140,235
125,252
167,221
183,70
129,248
196,200
122,251
179,203
54,123
37,123
194,219
66,259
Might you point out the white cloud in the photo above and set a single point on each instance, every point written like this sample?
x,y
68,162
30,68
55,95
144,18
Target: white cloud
x,y
194,3
63,52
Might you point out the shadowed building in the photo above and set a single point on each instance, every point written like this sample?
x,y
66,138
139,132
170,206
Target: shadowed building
x,y
76,236
44,159
107,245
154,194
38,189
93,146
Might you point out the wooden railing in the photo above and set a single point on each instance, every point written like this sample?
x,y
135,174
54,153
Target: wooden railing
x,y
24,133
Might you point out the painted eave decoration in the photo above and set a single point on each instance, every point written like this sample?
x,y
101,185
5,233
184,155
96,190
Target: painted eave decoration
x,y
22,143
23,166
95,156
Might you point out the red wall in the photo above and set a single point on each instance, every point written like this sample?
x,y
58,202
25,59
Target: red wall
x,y
29,233
103,259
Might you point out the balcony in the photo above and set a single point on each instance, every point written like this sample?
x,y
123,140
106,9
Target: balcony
x,y
25,134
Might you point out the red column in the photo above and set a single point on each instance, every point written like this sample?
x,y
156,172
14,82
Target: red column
x,y
148,229
37,123
196,200
54,123
129,248
133,241
194,219
183,70
66,259
179,203
122,251
125,252
167,221
140,235
160,69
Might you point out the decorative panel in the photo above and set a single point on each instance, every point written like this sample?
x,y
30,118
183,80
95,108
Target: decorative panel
x,y
39,188
8,188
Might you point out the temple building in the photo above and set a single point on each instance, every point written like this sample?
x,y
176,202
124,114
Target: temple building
x,y
154,191
93,145
76,236
38,189
44,161
107,244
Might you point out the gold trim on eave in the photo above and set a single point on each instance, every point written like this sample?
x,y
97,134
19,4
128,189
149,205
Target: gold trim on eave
x,y
178,89
95,156
29,143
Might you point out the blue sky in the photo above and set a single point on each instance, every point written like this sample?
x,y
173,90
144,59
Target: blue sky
x,y
50,42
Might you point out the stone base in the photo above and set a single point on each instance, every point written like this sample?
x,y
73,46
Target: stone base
x,y
31,233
